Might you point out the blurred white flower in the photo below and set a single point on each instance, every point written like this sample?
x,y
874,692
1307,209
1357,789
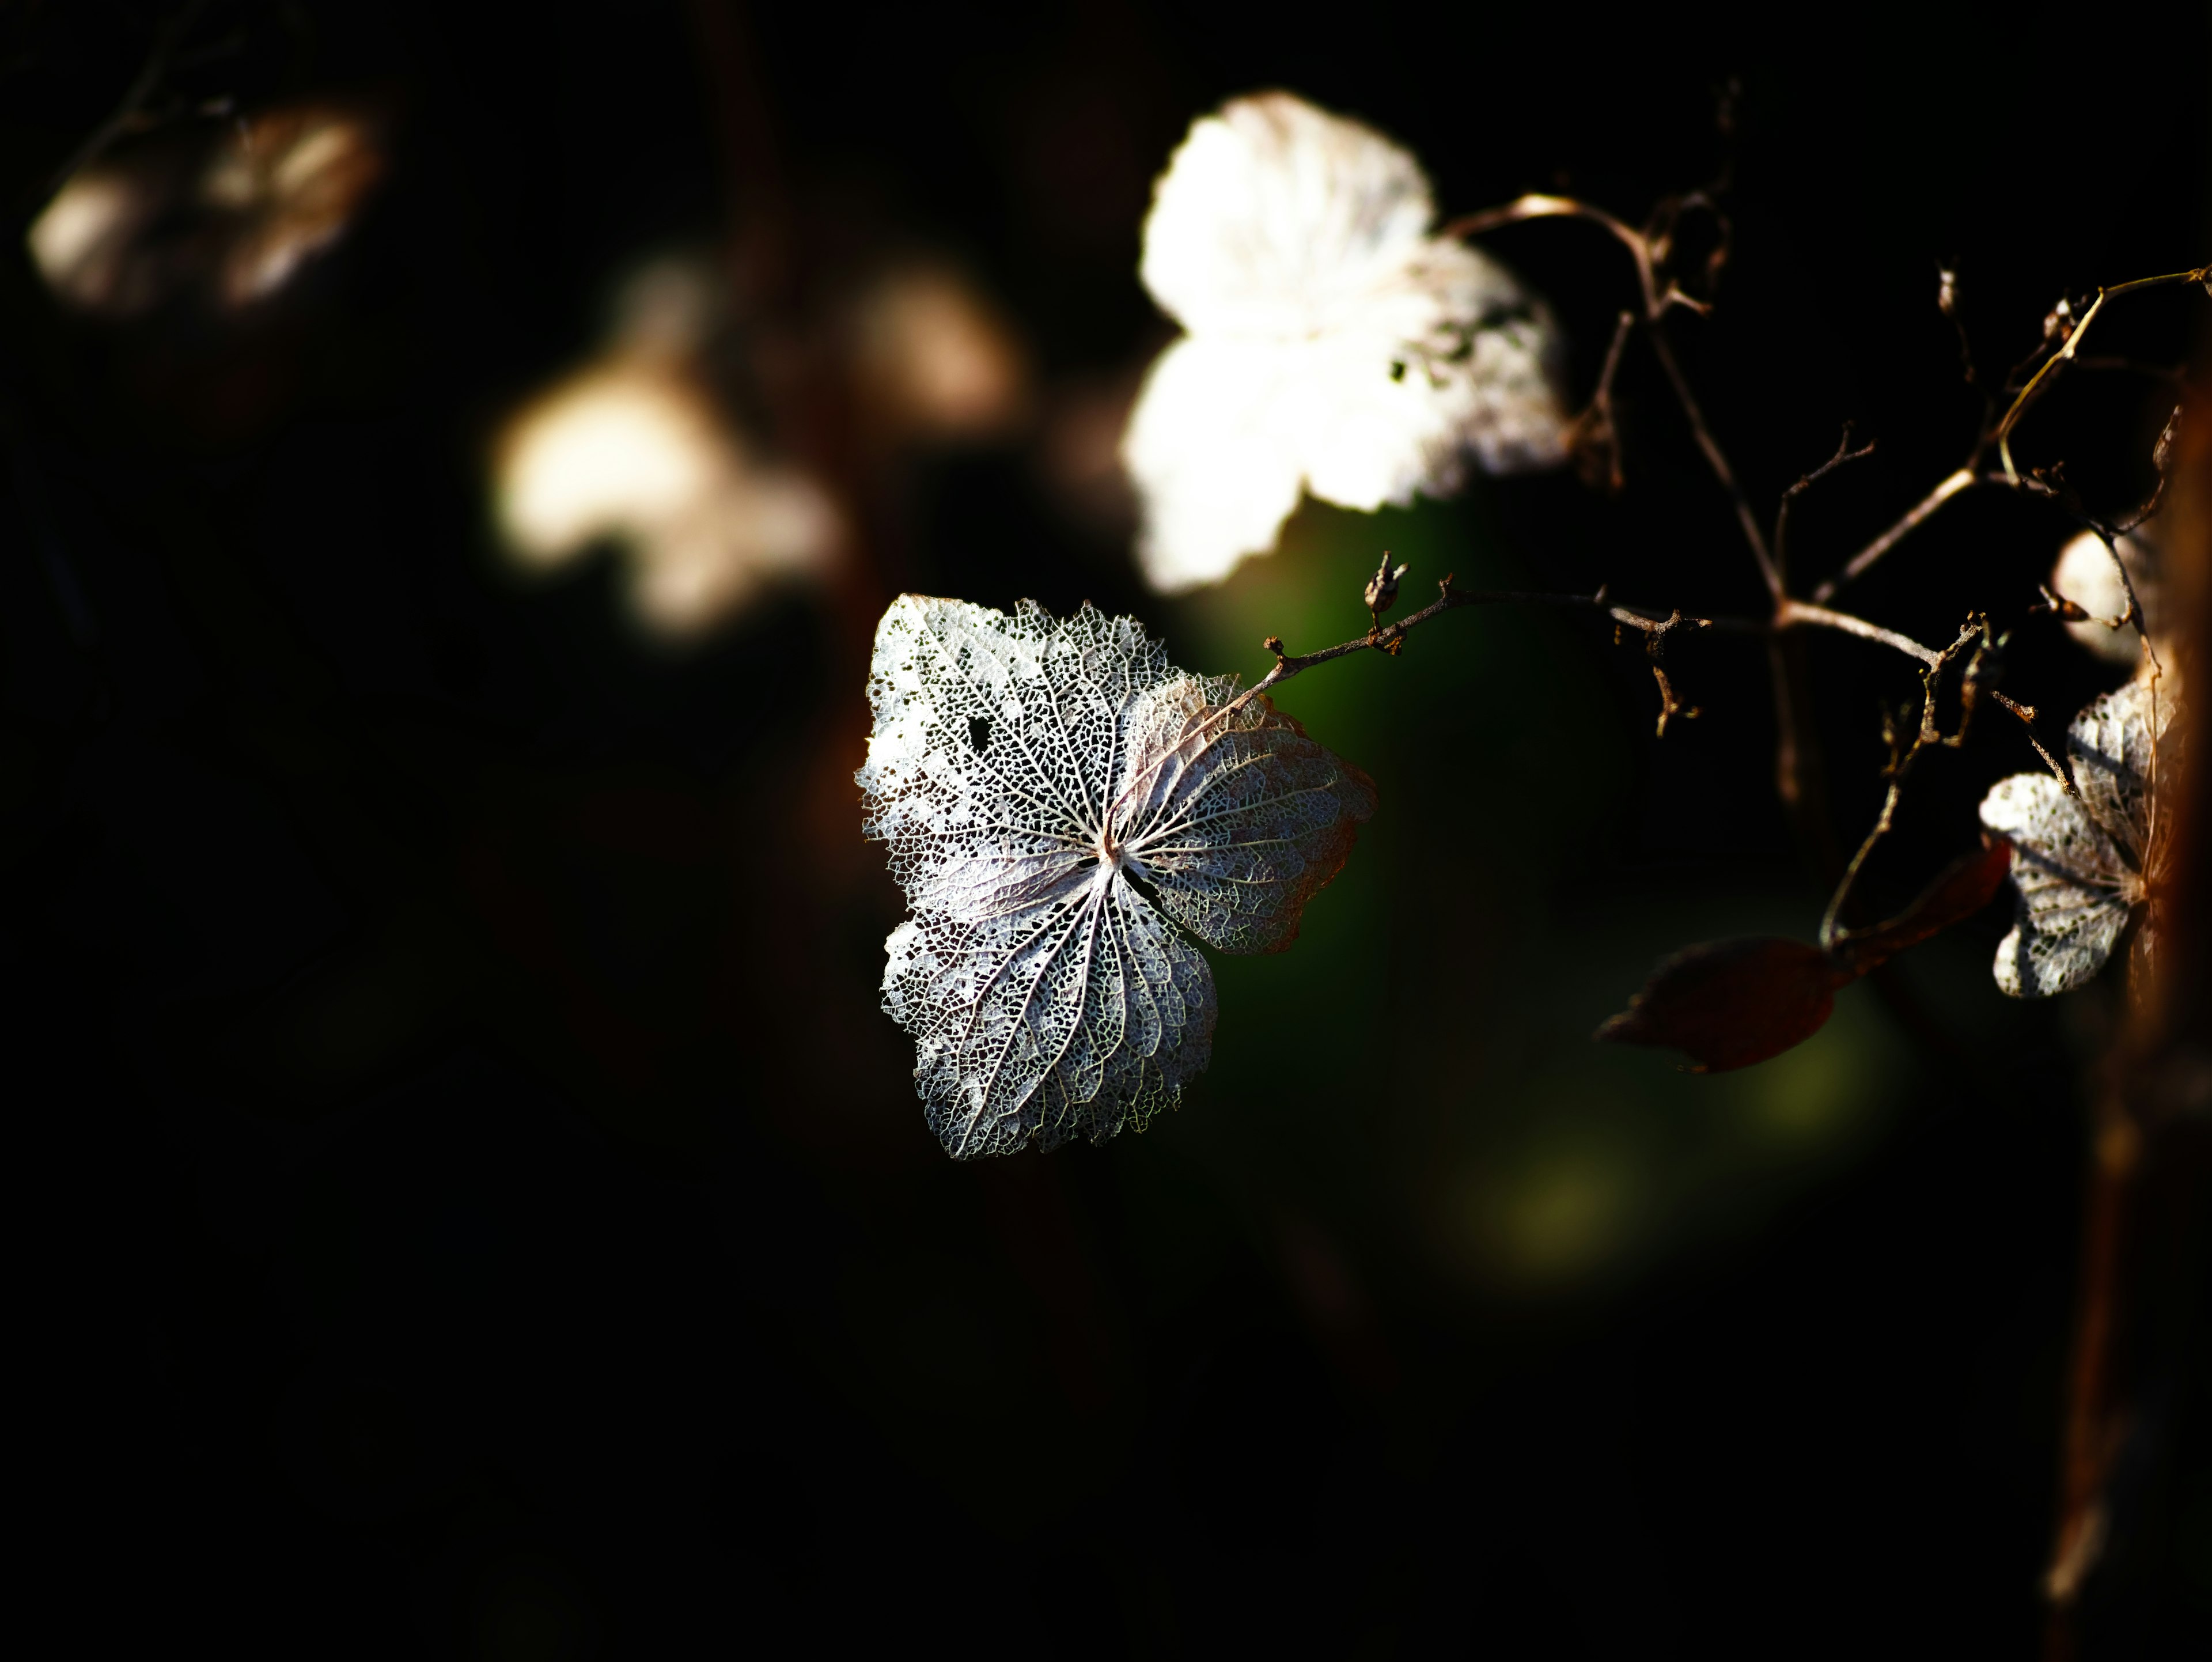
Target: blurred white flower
x,y
2082,865
934,358
2085,576
633,449
1333,343
234,212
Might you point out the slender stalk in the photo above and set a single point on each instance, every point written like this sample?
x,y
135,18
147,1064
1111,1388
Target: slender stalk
x,y
1950,486
1791,614
1718,462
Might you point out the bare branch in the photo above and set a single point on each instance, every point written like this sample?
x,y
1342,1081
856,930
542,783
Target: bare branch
x,y
2026,714
1591,438
1718,463
2037,384
1950,487
1844,453
1538,206
2001,434
1974,633
1388,638
1791,614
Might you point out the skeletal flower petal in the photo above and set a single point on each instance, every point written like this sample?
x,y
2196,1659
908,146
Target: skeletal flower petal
x,y
1334,345
2112,749
1033,778
2082,866
2071,882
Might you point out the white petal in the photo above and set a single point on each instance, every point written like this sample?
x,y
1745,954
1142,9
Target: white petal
x,y
2073,885
2036,962
2035,811
1216,471
1334,346
1276,218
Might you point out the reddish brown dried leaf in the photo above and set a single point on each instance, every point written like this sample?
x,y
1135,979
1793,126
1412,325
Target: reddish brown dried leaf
x,y
1729,1003
1966,885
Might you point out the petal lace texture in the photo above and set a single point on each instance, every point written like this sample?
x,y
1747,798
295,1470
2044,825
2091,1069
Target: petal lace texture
x,y
2081,865
1057,799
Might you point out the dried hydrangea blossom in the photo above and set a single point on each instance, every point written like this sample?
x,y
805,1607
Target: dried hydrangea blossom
x,y
1057,799
1333,344
2083,865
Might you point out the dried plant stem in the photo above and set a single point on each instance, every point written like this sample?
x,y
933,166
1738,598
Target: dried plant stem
x,y
1999,435
1387,636
2026,714
1795,614
1951,485
1654,626
1975,633
1718,460
2036,384
1538,206
1844,453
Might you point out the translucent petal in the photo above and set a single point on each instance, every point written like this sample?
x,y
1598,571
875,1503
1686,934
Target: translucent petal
x,y
1276,216
1238,820
2082,866
1030,775
1219,470
2110,749
1335,345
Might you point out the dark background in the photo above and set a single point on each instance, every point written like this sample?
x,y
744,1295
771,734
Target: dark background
x,y
476,1208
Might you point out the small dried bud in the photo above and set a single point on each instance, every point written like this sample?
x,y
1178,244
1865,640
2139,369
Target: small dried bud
x,y
2060,605
2058,322
1946,291
1382,586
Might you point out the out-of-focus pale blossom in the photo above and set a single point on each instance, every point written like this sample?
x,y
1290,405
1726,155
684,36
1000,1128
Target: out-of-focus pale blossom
x,y
2085,576
1333,343
934,359
633,449
234,212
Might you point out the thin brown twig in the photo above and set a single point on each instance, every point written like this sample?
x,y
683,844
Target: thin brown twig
x,y
1844,453
1717,461
1946,488
2026,714
2037,383
1537,205
1386,638
1591,437
1791,614
2000,435
1975,633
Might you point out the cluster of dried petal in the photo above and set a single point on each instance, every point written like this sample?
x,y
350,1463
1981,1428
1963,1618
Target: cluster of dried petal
x,y
1333,344
1058,798
234,214
635,448
2082,865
